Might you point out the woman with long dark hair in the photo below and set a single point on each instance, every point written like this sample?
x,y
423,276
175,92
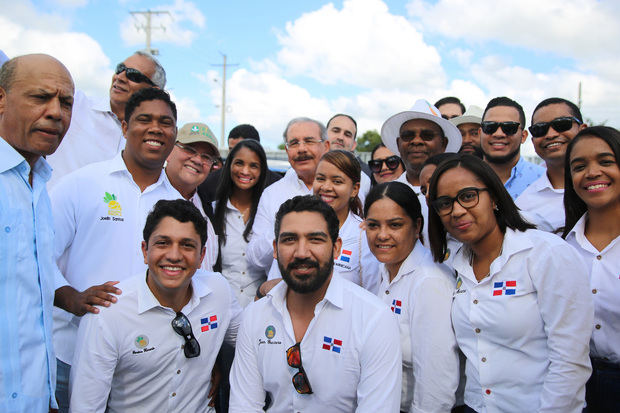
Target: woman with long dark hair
x,y
237,196
385,165
592,207
522,311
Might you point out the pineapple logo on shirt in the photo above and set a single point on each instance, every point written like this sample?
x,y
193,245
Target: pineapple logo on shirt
x,y
114,208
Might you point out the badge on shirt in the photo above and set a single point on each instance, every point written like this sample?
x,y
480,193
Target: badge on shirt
x,y
270,332
504,288
396,306
344,260
208,323
115,211
141,342
332,344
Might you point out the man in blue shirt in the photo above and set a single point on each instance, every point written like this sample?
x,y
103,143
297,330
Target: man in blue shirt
x,y
36,100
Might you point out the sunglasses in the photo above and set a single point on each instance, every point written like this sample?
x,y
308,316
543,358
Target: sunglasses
x,y
509,128
561,124
132,74
300,379
426,135
182,326
391,162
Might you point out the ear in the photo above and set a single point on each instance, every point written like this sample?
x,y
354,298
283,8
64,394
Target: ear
x,y
3,97
275,250
356,189
144,251
327,144
124,128
416,227
354,145
202,255
337,246
582,126
523,136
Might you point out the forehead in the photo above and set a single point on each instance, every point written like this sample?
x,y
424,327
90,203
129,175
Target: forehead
x,y
382,152
202,147
455,179
385,209
450,108
156,108
303,130
141,63
42,73
419,124
502,114
303,222
342,122
172,228
549,112
590,146
468,126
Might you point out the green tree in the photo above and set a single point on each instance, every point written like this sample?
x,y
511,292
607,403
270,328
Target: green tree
x,y
368,141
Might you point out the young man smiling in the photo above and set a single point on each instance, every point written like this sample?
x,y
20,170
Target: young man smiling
x,y
154,350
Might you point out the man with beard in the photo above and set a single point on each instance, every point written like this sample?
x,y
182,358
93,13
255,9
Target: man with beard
x,y
336,341
502,132
469,126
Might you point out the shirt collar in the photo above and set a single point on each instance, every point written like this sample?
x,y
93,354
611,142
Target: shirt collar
x,y
334,293
413,261
579,232
147,300
292,177
117,164
10,158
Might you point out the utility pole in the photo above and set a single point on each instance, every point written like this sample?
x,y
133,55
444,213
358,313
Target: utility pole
x,y
579,97
224,65
148,27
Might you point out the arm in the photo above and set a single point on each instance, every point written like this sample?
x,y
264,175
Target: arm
x,y
260,247
79,303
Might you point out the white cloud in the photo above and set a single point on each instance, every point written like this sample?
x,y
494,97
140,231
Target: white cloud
x,y
177,26
24,13
71,3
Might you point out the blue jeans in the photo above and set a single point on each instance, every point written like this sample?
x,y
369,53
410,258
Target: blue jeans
x,y
603,388
62,386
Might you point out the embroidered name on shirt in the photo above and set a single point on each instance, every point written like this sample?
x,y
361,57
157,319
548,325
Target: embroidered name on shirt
x,y
332,344
208,323
396,306
505,288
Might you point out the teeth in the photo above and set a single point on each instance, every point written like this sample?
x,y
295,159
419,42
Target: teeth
x,y
191,168
553,145
170,268
384,247
154,143
498,144
597,186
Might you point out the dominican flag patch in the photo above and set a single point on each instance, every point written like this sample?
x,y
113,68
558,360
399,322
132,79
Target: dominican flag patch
x,y
396,306
332,344
504,288
208,323
345,256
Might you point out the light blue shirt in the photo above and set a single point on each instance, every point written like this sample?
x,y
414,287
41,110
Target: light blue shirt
x,y
27,271
521,176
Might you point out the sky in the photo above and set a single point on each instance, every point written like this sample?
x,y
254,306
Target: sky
x,y
367,58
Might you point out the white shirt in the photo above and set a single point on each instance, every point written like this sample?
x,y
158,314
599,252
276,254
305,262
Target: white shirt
x,y
604,270
365,185
98,240
525,328
211,246
94,135
422,199
260,247
420,296
544,203
350,352
244,277
129,359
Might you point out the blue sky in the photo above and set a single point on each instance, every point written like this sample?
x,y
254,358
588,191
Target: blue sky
x,y
368,58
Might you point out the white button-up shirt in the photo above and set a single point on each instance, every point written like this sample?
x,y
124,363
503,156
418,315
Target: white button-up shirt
x,y
128,357
244,277
95,135
525,328
544,204
420,296
211,246
350,352
99,214
604,270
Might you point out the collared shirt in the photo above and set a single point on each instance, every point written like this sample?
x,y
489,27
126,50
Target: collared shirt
x,y
604,270
422,199
95,135
27,273
525,328
211,246
544,203
260,248
420,296
99,214
521,176
129,359
244,277
350,353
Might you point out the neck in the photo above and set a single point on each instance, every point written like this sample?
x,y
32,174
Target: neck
x,y
603,225
485,251
392,269
186,191
118,109
307,179
143,177
343,214
555,173
175,299
413,176
241,197
297,303
503,170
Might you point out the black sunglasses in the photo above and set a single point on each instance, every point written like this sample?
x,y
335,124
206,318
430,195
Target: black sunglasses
x,y
391,162
561,124
426,135
132,74
182,326
300,379
509,128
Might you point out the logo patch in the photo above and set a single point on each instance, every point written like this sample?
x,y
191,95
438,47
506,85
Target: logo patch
x,y
141,341
504,288
114,207
332,344
270,332
459,282
208,323
194,129
345,256
396,306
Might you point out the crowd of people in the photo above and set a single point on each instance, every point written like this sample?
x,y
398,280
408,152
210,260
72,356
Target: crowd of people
x,y
446,274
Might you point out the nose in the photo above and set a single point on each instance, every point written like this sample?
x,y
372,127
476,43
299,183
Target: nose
x,y
457,209
54,109
593,170
174,253
383,232
302,250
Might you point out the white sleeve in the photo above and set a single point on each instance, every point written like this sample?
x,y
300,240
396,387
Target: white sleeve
x,y
236,316
260,247
247,393
93,366
380,382
211,248
65,222
434,349
566,307
370,267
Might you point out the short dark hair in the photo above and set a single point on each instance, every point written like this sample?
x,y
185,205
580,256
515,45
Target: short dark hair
x,y
148,94
350,166
346,116
574,207
7,73
506,214
401,194
310,203
550,101
179,209
450,99
504,101
244,131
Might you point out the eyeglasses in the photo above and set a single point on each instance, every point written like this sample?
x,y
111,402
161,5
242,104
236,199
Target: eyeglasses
x,y
426,135
509,128
132,74
182,326
300,379
561,124
391,162
466,197
204,157
296,143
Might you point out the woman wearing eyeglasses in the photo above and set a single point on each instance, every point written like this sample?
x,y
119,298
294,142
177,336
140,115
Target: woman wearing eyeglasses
x,y
419,293
592,205
522,311
241,185
385,165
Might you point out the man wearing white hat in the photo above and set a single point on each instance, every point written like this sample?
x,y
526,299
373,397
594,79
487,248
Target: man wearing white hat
x,y
469,126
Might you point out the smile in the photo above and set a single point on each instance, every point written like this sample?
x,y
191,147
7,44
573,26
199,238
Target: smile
x,y
598,187
153,143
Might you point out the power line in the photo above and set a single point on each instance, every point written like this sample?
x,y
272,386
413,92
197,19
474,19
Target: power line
x,y
147,27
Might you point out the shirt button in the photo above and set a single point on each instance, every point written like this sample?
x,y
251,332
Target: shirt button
x,y
484,359
598,257
594,291
475,301
178,371
7,229
241,290
243,254
598,326
488,391
387,291
243,272
174,394
477,330
14,395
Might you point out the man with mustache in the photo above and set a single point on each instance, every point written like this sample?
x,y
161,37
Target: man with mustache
x,y
341,347
469,126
